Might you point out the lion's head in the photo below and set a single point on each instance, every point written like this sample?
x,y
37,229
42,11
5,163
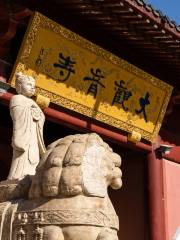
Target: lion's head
x,y
77,164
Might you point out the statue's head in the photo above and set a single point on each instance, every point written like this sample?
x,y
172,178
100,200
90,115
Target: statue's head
x,y
77,164
25,85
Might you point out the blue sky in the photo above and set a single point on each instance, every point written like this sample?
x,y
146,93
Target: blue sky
x,y
171,8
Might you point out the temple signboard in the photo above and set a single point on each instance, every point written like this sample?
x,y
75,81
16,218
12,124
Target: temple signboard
x,y
79,75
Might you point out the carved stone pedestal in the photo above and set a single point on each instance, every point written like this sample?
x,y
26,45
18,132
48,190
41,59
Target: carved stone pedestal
x,y
67,199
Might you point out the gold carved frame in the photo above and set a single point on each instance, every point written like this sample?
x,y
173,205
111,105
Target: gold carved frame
x,y
40,21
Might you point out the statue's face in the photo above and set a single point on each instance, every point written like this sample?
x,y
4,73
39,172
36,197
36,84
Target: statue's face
x,y
28,87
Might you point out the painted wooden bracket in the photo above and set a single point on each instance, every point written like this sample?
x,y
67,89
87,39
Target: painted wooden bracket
x,y
134,137
43,102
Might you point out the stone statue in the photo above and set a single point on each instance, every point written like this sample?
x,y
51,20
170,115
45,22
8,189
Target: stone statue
x,y
67,198
28,121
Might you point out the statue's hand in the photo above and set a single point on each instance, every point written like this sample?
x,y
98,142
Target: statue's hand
x,y
36,112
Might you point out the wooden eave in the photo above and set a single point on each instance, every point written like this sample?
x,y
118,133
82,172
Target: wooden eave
x,y
134,25
131,29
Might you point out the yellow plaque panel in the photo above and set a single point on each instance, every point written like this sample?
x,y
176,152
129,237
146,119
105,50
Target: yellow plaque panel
x,y
87,79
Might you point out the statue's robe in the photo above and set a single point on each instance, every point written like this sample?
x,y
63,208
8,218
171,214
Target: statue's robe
x,y
27,140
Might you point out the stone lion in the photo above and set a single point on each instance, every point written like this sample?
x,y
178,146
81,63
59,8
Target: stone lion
x,y
67,198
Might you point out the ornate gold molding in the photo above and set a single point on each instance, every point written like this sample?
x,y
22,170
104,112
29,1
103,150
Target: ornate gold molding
x,y
38,22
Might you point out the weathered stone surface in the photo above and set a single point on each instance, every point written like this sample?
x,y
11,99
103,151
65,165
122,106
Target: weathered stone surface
x,y
67,198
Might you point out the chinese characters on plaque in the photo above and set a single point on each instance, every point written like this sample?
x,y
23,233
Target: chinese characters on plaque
x,y
97,80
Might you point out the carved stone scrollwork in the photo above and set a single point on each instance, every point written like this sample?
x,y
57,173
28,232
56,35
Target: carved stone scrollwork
x,y
22,220
38,218
78,217
35,219
38,233
21,234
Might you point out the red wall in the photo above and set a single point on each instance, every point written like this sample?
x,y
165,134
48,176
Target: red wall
x,y
171,175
